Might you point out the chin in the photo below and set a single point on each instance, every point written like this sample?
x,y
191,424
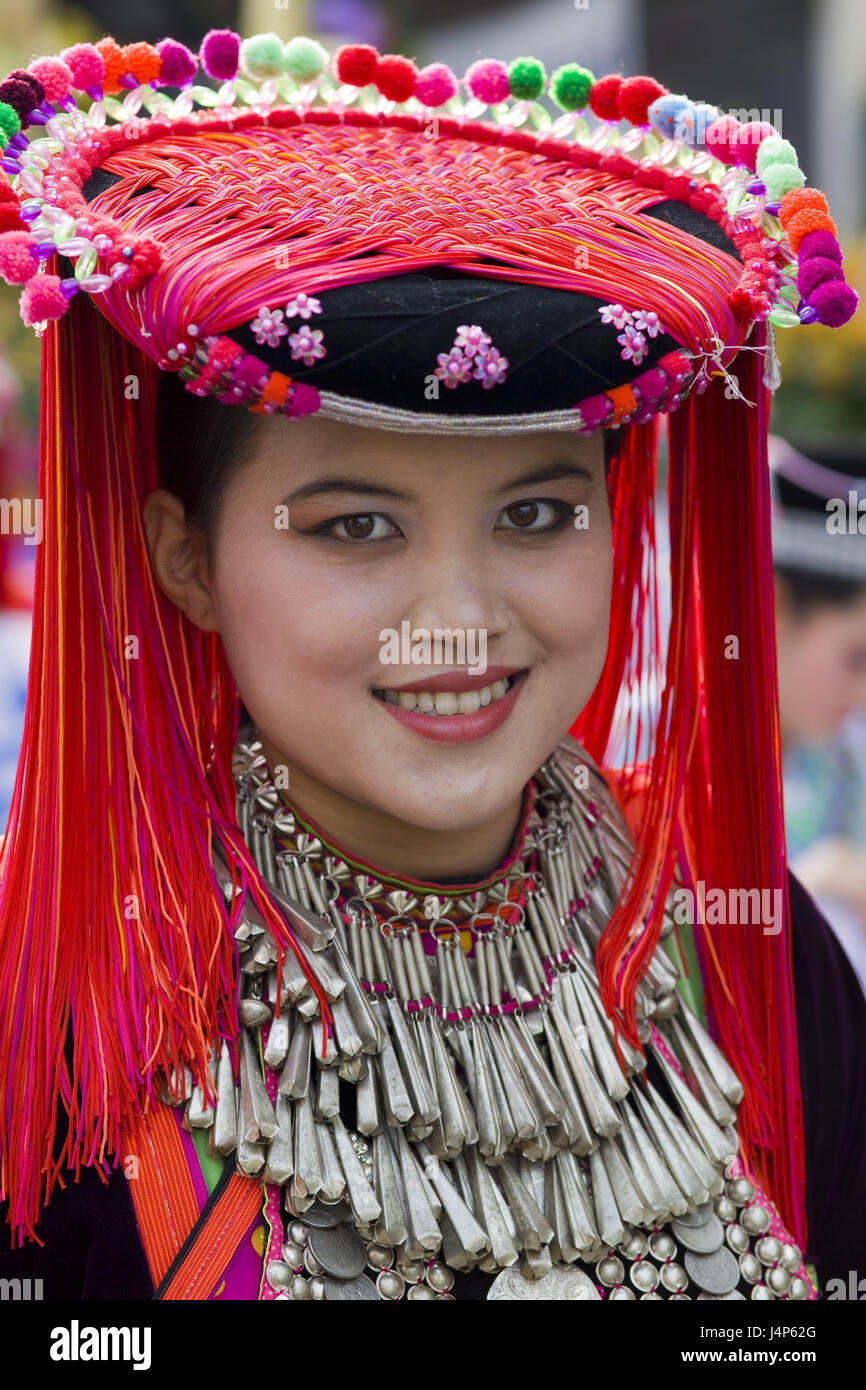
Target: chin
x,y
458,804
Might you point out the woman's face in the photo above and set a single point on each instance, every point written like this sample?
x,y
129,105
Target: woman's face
x,y
330,536
822,667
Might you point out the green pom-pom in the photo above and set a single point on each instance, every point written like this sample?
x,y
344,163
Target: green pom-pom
x,y
526,79
780,179
570,86
9,122
774,150
304,59
262,57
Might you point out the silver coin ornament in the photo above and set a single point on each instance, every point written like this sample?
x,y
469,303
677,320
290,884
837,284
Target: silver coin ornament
x,y
700,1239
717,1274
339,1250
351,1290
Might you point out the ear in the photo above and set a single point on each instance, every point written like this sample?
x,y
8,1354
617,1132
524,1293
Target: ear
x,y
178,556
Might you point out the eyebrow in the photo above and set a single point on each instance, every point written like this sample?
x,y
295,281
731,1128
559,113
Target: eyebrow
x,y
555,471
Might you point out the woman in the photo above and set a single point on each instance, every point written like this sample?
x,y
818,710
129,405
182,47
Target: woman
x,y
358,967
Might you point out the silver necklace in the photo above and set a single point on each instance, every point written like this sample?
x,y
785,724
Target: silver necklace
x,y
495,1127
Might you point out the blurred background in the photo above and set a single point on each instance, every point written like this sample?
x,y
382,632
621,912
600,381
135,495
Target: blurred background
x,y
804,63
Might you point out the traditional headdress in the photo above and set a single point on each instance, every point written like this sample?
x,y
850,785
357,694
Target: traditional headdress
x,y
396,248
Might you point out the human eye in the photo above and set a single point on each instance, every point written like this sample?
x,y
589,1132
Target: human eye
x,y
360,528
535,516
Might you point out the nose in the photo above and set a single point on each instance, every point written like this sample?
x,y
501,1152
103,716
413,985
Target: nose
x,y
458,585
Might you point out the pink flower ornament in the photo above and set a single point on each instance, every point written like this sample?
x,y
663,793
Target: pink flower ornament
x,y
472,338
453,367
634,345
268,326
306,345
647,321
490,368
615,314
303,306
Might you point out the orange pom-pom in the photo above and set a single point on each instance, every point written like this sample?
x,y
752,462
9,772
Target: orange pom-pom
x,y
798,199
809,220
115,64
143,61
273,394
624,402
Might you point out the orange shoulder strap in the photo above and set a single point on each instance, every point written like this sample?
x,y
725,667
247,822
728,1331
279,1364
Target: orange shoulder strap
x,y
187,1251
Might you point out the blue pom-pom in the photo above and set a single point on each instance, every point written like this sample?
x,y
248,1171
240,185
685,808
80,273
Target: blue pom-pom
x,y
668,116
704,116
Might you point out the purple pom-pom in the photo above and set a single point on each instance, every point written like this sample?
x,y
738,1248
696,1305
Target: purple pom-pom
x,y
594,411
834,302
816,271
220,54
820,243
178,64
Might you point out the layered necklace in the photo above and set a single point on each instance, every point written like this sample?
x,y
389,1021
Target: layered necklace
x,y
494,1127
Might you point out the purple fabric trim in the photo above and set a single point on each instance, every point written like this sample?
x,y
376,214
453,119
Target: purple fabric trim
x,y
191,1156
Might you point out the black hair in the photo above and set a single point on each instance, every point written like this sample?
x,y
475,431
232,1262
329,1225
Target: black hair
x,y
809,591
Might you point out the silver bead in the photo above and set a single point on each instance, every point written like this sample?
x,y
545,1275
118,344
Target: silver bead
x,y
779,1280
411,1270
279,1274
665,1007
300,1288
610,1270
645,1297
441,1297
761,1293
769,1250
662,1245
674,1277
390,1284
621,1292
737,1238
644,1276
380,1256
680,1298
755,1219
635,1247
298,1232
439,1277
292,1254
792,1257
799,1289
725,1209
311,1264
317,1289
740,1190
420,1291
750,1267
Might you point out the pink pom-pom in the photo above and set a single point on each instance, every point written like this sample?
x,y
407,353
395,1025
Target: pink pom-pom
x,y
86,65
720,136
594,411
55,76
651,384
744,148
220,53
17,263
820,243
303,400
834,302
814,271
178,65
435,84
487,80
42,298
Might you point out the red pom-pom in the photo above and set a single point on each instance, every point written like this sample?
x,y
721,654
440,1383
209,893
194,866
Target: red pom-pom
x,y
356,64
603,97
651,175
17,263
42,298
145,258
743,304
635,97
395,77
834,302
10,220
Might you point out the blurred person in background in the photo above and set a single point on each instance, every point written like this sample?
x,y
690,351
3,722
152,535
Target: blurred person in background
x,y
819,550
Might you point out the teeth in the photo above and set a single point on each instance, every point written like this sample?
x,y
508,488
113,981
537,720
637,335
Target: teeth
x,y
447,701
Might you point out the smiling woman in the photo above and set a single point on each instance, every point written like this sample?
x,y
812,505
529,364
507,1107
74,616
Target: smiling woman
x,y
366,964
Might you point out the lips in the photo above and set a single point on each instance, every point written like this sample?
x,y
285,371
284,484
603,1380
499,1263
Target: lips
x,y
452,714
